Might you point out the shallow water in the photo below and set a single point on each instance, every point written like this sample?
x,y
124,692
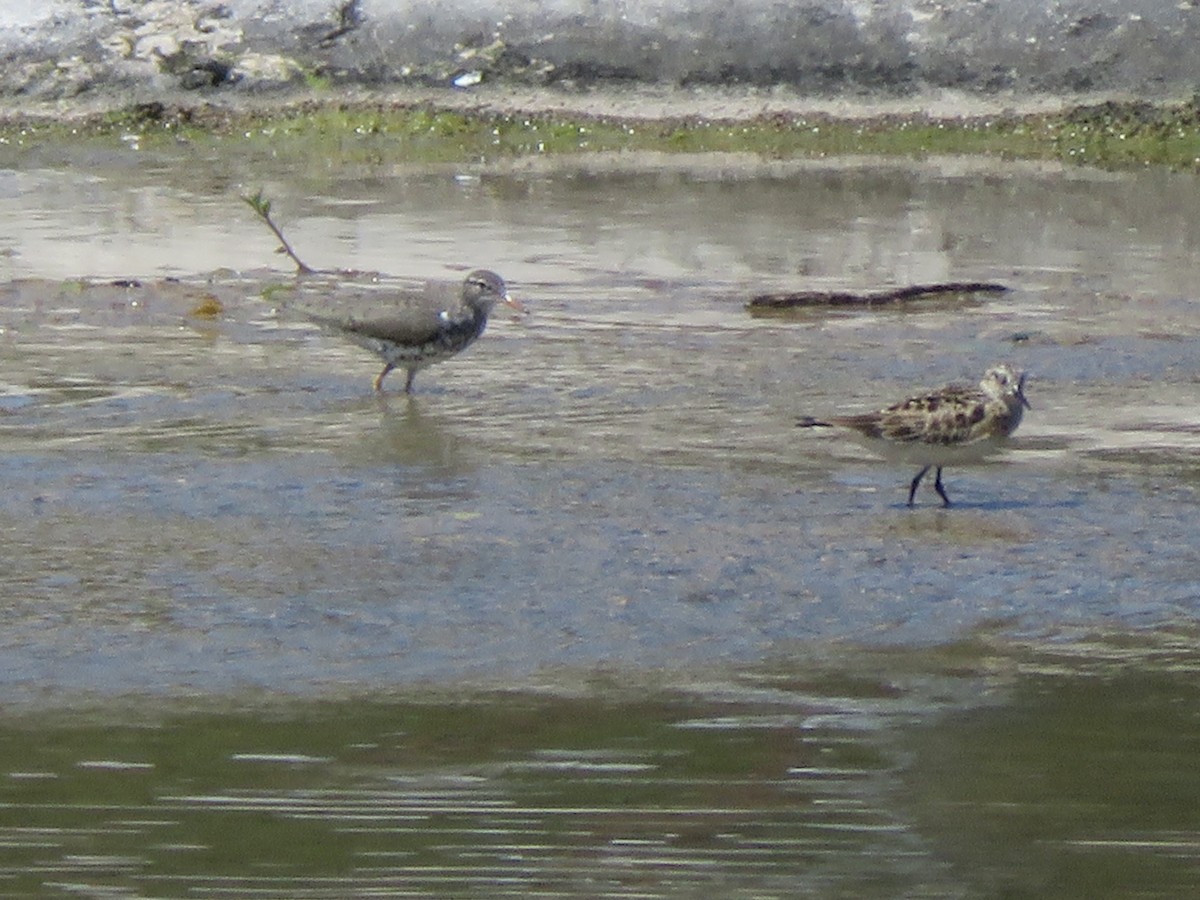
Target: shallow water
x,y
587,615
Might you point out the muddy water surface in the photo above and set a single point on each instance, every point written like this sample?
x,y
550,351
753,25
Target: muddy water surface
x,y
587,615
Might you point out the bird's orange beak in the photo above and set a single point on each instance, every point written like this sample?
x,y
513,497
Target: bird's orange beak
x,y
510,300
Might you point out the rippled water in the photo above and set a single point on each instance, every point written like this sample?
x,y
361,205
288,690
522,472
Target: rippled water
x,y
587,615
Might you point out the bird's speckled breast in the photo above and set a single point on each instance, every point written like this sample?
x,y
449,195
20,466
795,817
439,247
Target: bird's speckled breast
x,y
456,334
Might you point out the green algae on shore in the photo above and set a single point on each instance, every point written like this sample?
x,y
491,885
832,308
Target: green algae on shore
x,y
1108,135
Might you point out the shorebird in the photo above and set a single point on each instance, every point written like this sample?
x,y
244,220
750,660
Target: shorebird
x,y
416,329
948,426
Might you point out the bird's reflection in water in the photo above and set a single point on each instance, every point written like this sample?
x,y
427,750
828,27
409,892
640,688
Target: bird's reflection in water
x,y
409,436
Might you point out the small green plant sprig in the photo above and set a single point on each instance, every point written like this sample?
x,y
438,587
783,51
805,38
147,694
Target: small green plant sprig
x,y
262,208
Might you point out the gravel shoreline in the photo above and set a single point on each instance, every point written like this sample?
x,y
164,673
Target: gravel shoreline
x,y
623,102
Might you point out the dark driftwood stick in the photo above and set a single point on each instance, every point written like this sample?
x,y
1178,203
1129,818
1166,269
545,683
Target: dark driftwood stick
x,y
802,299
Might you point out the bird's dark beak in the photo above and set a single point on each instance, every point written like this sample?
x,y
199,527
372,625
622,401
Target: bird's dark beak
x,y
1021,393
510,300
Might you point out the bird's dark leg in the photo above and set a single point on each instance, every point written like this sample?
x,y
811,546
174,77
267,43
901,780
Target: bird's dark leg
x,y
912,490
382,375
412,373
937,486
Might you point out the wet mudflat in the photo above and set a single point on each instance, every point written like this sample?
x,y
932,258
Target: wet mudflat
x,y
587,615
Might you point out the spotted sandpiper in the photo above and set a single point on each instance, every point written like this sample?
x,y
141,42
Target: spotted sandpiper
x,y
948,426
419,328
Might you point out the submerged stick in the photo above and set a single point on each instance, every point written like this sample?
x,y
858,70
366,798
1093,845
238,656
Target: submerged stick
x,y
801,299
262,208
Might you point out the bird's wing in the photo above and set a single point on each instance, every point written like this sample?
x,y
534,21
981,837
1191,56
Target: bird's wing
x,y
947,416
409,317
404,325
867,424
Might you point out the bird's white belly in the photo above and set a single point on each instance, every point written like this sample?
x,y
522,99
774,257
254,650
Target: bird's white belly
x,y
919,453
